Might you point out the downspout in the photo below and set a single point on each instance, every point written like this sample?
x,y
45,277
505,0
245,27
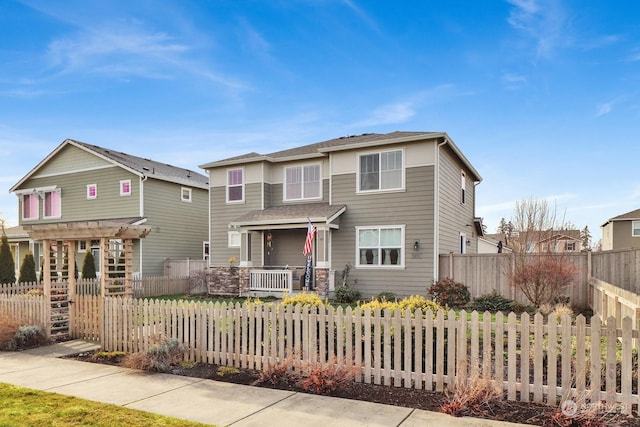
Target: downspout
x,y
436,213
209,219
142,181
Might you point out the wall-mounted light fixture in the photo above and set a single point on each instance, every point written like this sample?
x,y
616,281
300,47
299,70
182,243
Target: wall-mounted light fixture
x,y
468,242
416,245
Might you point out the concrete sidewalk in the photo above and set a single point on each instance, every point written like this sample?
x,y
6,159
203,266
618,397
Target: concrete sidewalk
x,y
205,401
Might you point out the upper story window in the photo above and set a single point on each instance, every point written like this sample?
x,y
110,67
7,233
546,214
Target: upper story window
x,y
235,185
381,171
185,194
635,227
380,246
463,187
30,206
125,187
570,246
52,204
92,191
302,182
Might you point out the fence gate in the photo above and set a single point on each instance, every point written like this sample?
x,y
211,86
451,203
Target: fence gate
x,y
59,316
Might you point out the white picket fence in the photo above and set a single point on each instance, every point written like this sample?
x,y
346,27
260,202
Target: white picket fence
x,y
530,359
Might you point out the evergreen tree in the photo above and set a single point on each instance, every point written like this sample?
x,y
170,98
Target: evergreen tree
x,y
585,236
7,265
28,269
89,266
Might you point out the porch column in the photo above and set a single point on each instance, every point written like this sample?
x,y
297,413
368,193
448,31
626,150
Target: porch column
x,y
245,249
104,264
128,267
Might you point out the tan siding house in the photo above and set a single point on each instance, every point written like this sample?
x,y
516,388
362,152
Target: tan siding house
x,y
385,204
83,193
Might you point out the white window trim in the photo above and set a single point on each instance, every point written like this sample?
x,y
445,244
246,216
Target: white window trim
x,y
37,199
634,228
44,207
463,243
244,179
89,196
463,188
401,265
189,192
80,249
125,181
386,190
231,239
284,185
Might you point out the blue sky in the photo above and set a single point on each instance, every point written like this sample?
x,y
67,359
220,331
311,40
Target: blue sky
x,y
542,96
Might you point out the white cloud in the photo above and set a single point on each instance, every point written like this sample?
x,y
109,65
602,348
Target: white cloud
x,y
544,23
603,109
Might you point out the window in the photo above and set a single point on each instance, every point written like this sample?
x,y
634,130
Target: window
x,y
571,246
635,229
380,246
235,185
82,246
233,239
302,182
185,194
30,206
463,187
125,187
52,205
92,191
381,171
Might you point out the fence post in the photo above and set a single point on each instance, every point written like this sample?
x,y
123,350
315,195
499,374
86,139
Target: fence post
x,y
450,275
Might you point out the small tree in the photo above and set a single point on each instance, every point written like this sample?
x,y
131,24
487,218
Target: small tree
x,y
89,266
542,275
28,269
7,265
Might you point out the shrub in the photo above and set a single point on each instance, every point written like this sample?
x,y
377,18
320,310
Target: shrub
x,y
89,266
326,377
280,372
412,303
519,308
30,336
386,296
346,294
160,357
28,269
472,397
8,328
449,293
492,302
7,266
303,298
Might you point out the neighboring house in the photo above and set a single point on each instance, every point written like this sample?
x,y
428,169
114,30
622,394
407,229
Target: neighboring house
x,y
555,241
20,243
489,244
385,204
96,197
622,231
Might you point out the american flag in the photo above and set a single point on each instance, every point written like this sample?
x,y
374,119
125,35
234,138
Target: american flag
x,y
311,232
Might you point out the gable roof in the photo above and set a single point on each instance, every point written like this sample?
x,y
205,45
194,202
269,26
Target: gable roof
x,y
632,215
351,142
137,165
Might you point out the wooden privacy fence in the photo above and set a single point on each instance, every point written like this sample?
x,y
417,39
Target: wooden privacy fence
x,y
484,273
183,267
529,359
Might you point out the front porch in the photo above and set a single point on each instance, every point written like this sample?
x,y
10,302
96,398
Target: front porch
x,y
276,264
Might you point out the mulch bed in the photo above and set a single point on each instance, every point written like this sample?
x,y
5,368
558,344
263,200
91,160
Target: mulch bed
x,y
516,412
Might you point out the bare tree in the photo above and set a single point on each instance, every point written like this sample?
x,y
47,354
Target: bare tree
x,y
540,269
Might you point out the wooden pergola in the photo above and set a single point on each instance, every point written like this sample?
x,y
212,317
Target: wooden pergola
x,y
115,236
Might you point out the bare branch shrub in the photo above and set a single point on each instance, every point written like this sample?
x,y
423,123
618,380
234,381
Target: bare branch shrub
x,y
160,357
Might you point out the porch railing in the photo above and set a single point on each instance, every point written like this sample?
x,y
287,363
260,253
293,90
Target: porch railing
x,y
270,280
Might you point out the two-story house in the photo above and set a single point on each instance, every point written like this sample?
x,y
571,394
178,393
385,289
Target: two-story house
x,y
622,231
100,198
385,204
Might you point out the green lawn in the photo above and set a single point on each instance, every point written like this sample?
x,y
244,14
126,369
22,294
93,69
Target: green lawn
x,y
26,407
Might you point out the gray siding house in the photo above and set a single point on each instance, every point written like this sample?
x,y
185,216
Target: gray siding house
x,y
91,195
622,231
385,204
